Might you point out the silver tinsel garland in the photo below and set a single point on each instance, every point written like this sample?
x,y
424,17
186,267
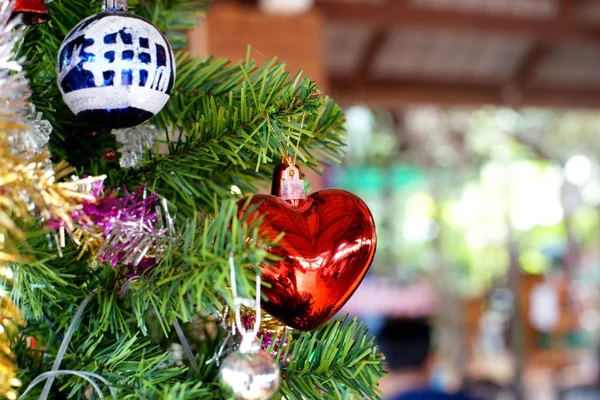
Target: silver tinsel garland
x,y
133,240
14,92
36,138
135,141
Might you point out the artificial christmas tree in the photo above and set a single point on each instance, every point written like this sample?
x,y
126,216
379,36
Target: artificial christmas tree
x,y
130,274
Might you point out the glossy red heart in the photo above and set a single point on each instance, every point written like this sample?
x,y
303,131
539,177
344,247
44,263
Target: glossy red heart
x,y
328,246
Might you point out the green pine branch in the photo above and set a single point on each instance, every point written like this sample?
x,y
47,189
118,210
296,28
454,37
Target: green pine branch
x,y
227,112
47,275
338,360
194,276
116,338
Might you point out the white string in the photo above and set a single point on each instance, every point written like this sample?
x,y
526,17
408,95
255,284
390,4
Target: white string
x,y
187,349
82,374
54,372
248,336
216,358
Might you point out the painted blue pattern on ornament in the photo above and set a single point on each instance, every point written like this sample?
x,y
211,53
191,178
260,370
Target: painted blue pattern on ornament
x,y
116,69
75,54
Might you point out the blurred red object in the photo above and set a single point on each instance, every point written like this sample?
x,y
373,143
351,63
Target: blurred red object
x,y
32,12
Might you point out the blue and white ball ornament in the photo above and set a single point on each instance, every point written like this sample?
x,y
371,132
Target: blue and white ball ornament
x,y
115,69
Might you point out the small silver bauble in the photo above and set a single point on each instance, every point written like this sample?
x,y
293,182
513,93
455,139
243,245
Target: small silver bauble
x,y
252,375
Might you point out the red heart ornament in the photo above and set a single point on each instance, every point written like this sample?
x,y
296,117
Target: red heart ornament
x,y
328,246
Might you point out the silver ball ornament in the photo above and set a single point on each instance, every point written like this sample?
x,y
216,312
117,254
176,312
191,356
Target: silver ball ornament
x,y
250,375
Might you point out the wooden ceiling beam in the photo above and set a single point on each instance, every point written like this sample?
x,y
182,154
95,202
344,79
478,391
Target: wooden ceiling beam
x,y
397,15
530,63
396,94
538,52
376,43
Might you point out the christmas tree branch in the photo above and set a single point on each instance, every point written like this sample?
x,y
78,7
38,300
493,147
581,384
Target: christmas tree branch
x,y
337,358
193,272
108,342
39,282
236,119
192,277
174,17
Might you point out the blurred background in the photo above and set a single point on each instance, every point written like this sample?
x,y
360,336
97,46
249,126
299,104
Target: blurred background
x,y
473,131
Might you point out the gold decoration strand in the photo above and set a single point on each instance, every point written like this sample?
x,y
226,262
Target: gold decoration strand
x,y
28,190
291,161
298,141
28,187
10,318
268,325
12,99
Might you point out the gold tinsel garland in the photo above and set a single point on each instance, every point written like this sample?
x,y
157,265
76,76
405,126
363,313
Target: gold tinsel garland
x,y
28,187
28,190
10,317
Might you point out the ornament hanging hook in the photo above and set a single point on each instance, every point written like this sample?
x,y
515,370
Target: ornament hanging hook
x,y
296,150
248,336
114,5
291,161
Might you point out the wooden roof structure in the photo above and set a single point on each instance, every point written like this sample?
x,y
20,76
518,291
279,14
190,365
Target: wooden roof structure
x,y
394,53
448,52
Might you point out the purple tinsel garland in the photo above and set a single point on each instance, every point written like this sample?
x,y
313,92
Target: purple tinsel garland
x,y
136,227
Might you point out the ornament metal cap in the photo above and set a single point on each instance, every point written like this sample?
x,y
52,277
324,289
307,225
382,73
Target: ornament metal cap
x,y
278,175
115,5
32,12
287,182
